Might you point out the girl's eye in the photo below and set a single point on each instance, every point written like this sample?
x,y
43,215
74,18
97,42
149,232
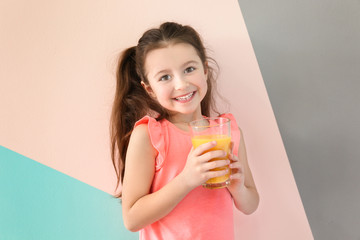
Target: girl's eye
x,y
189,69
165,77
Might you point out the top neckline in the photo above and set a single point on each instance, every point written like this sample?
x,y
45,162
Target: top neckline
x,y
172,125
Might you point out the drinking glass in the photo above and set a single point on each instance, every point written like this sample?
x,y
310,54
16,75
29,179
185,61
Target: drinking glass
x,y
213,129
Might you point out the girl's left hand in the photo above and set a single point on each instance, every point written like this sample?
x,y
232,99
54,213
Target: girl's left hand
x,y
237,177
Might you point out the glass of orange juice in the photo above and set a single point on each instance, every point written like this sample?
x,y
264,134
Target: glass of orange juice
x,y
213,129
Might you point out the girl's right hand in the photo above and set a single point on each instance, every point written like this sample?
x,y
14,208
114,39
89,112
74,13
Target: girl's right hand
x,y
197,167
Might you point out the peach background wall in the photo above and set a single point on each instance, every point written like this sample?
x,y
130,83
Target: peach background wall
x,y
57,68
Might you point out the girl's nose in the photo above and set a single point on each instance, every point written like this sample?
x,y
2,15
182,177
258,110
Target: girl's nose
x,y
181,83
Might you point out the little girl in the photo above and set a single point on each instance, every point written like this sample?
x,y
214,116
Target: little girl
x,y
163,83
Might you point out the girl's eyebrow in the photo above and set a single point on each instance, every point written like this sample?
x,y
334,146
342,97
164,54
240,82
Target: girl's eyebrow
x,y
183,65
190,62
161,72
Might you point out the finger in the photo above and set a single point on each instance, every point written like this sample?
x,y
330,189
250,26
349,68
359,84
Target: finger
x,y
236,176
213,174
235,165
216,154
233,157
204,147
234,170
216,164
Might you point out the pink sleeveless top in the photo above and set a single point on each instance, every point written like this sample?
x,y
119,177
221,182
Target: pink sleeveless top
x,y
203,213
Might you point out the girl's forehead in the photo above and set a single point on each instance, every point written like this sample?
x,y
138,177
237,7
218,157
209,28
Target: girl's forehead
x,y
171,56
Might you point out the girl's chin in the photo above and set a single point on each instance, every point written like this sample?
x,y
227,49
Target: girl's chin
x,y
186,113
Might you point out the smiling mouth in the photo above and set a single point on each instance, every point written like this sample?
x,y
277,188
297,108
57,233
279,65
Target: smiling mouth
x,y
185,98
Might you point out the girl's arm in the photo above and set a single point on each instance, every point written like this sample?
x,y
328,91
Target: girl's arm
x,y
140,207
242,187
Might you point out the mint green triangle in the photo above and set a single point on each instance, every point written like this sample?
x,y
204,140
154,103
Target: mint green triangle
x,y
40,203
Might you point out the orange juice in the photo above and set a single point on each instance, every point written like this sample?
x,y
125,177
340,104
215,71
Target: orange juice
x,y
223,143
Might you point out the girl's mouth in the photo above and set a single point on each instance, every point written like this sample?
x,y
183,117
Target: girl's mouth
x,y
186,97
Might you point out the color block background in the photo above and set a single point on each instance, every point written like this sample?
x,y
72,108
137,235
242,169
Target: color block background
x,y
38,202
57,76
309,56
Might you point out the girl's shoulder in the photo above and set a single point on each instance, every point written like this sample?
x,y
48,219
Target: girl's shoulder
x,y
227,115
232,119
140,139
152,124
145,120
147,125
148,128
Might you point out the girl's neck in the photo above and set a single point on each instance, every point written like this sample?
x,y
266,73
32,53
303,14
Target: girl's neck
x,y
183,122
184,119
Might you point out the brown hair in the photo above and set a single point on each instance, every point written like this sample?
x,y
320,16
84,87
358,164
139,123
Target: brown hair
x,y
132,102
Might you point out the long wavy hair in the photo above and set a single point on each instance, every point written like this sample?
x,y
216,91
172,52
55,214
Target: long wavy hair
x,y
132,102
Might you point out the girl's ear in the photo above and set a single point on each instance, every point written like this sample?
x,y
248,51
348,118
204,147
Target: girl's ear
x,y
148,89
206,68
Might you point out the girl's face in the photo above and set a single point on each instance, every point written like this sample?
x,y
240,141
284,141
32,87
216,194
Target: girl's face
x,y
177,79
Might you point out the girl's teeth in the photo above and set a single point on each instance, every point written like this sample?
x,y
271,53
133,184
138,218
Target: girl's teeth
x,y
185,97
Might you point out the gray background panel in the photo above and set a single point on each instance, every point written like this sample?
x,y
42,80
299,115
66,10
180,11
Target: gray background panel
x,y
309,56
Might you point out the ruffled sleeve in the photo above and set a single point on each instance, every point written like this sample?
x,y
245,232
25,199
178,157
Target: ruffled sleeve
x,y
235,132
157,138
